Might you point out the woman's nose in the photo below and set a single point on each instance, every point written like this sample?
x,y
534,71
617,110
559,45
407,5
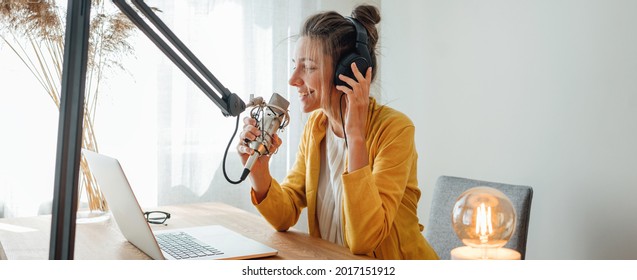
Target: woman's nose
x,y
295,80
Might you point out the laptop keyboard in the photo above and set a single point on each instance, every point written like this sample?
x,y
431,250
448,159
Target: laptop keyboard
x,y
181,245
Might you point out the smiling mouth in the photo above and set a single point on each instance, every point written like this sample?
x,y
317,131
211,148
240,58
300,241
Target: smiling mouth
x,y
307,93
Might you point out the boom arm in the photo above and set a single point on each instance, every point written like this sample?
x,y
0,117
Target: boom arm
x,y
229,103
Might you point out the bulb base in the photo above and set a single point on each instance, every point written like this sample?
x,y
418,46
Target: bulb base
x,y
469,253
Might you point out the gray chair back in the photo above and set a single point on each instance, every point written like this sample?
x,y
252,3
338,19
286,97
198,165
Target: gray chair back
x,y
439,231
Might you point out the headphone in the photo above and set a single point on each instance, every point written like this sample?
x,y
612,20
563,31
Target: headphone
x,y
360,56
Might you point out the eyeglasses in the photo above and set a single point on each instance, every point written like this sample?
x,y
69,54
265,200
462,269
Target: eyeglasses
x,y
156,217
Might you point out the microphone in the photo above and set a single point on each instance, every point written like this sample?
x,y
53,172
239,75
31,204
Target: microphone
x,y
270,118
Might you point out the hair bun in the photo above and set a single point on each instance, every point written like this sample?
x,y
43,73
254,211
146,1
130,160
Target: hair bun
x,y
367,15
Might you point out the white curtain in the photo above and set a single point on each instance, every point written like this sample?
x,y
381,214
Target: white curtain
x,y
169,137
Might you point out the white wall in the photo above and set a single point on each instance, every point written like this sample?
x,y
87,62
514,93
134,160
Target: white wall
x,y
540,93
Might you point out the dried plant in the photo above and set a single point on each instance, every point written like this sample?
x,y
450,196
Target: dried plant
x,y
34,30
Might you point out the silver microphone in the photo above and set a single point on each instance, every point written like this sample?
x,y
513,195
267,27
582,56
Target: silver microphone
x,y
270,118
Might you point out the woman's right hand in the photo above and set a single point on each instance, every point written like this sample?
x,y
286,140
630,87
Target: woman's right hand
x,y
249,133
260,171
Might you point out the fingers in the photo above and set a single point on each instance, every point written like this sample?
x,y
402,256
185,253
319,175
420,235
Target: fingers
x,y
360,84
357,73
354,86
347,79
249,121
275,143
344,89
244,149
250,133
244,140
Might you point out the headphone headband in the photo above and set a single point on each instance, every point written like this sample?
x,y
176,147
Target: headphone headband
x,y
361,40
361,55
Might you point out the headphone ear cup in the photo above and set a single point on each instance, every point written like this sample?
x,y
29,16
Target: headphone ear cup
x,y
344,67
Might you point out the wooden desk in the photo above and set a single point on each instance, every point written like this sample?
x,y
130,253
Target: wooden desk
x,y
28,238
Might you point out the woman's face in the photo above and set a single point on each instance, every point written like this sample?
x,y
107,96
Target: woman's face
x,y
311,75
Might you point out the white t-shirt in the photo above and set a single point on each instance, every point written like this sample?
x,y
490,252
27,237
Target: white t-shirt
x,y
329,202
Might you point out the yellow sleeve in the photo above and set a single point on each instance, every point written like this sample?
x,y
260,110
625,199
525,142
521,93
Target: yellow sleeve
x,y
282,206
284,202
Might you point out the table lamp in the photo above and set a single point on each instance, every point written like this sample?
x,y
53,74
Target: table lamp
x,y
484,220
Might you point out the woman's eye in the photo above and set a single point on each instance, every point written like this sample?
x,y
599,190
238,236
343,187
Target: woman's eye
x,y
304,67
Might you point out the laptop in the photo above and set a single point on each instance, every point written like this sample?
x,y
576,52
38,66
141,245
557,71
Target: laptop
x,y
209,242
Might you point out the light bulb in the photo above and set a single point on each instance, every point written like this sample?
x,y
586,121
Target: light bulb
x,y
484,218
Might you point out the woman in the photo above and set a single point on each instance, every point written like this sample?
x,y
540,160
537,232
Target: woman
x,y
355,169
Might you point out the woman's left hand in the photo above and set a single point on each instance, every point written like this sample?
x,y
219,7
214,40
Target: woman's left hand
x,y
358,103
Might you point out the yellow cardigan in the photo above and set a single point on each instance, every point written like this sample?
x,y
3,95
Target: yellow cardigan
x,y
379,200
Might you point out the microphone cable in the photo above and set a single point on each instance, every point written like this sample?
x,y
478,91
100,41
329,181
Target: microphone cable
x,y
342,119
225,154
236,128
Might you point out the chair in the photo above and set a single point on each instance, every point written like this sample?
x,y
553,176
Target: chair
x,y
439,231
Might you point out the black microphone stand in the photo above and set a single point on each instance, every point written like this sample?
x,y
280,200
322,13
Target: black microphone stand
x,y
62,241
230,104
